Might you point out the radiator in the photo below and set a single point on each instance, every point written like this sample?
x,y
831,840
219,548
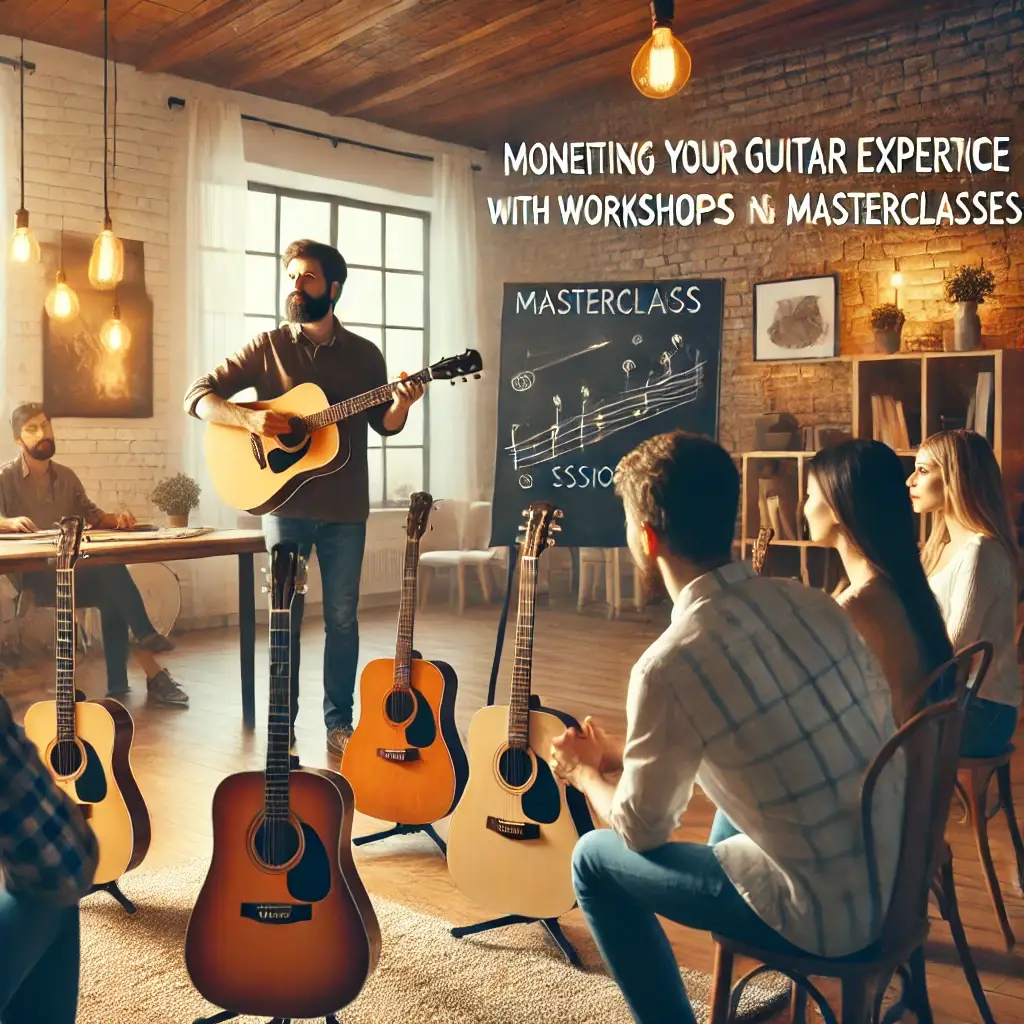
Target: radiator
x,y
383,565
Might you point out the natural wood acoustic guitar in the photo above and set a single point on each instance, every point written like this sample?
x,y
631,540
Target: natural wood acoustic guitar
x,y
259,474
86,744
514,830
405,761
283,926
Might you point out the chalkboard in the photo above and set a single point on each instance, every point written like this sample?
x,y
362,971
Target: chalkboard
x,y
588,371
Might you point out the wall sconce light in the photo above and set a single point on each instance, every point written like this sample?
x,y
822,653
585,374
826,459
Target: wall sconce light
x,y
896,280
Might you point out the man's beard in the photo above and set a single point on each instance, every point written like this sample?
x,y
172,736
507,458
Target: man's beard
x,y
307,309
43,450
651,578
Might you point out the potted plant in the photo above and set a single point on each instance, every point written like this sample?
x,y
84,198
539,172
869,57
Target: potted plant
x,y
887,322
968,288
176,496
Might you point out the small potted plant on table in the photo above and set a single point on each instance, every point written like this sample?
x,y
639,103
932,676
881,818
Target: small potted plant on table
x,y
968,288
176,496
887,322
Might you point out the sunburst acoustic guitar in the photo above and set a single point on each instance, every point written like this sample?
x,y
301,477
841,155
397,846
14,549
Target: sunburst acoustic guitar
x,y
405,761
514,830
282,926
86,744
258,474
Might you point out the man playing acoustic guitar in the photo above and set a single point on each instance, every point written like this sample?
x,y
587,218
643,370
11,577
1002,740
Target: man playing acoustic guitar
x,y
328,512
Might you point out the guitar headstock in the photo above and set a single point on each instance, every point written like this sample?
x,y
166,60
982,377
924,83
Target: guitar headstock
x,y
420,506
760,550
69,542
469,362
287,576
538,529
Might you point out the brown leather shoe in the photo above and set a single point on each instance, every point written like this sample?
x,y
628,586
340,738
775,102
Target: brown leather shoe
x,y
164,690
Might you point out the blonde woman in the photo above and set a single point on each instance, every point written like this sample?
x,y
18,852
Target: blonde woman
x,y
971,559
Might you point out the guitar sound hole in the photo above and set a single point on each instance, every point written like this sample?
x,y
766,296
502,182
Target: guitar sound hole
x,y
276,842
399,706
515,767
295,436
65,757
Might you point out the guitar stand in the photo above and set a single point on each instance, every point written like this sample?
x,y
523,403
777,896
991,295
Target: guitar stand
x,y
218,1018
114,890
404,830
554,929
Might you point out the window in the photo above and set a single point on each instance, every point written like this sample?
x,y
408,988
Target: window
x,y
384,300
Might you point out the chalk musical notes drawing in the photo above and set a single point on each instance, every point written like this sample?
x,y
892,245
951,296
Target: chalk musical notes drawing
x,y
670,391
525,379
628,367
554,429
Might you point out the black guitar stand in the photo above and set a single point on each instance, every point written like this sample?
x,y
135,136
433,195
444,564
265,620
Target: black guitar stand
x,y
113,889
404,830
218,1018
551,925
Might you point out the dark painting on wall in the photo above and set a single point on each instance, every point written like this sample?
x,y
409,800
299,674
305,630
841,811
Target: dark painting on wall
x,y
81,376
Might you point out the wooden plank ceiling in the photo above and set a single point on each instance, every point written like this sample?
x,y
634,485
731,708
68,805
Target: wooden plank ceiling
x,y
468,71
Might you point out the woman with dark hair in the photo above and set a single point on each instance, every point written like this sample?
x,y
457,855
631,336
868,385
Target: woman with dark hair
x,y
857,503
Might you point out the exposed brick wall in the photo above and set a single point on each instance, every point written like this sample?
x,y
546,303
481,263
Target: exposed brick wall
x,y
961,74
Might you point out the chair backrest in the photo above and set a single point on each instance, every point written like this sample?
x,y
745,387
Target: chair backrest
x,y
930,743
476,533
443,528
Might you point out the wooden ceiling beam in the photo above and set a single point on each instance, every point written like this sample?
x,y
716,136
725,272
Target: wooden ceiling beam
x,y
294,48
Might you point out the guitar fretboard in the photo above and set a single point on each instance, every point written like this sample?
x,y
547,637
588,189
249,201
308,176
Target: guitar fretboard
x,y
519,700
407,615
278,727
65,646
360,403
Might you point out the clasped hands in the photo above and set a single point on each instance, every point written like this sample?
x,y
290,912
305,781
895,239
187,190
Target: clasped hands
x,y
112,521
586,748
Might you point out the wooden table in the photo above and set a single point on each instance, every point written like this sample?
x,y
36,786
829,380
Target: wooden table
x,y
34,556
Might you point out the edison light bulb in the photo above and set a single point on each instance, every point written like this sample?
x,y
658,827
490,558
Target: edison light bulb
x,y
62,303
106,267
115,334
662,67
24,247
897,280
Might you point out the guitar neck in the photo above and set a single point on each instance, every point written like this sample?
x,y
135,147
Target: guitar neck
x,y
519,700
279,724
407,615
360,403
65,646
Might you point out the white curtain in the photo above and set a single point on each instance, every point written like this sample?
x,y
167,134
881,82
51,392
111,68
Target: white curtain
x,y
454,326
214,269
9,183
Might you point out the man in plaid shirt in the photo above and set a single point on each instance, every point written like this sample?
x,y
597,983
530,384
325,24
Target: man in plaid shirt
x,y
47,861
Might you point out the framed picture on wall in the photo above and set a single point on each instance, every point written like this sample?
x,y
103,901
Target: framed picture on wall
x,y
797,319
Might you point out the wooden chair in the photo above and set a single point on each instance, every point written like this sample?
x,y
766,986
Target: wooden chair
x,y
930,742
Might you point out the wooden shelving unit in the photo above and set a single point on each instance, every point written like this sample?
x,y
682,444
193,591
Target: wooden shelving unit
x,y
934,390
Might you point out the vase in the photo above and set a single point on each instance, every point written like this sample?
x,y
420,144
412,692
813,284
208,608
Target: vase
x,y
887,341
177,521
966,327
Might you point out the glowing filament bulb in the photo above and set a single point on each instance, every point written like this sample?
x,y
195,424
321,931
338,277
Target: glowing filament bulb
x,y
62,303
662,66
106,267
24,247
115,334
897,280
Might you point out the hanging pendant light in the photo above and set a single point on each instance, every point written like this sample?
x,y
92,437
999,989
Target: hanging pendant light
x,y
24,247
114,334
62,302
662,66
106,267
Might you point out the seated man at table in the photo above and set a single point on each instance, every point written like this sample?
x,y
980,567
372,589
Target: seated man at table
x,y
35,494
762,692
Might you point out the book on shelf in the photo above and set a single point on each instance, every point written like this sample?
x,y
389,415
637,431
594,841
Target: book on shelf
x,y
774,507
980,408
889,422
816,438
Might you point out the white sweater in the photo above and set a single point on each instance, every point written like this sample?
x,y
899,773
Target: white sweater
x,y
975,591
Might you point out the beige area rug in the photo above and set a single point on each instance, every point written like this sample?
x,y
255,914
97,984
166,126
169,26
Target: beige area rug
x,y
133,969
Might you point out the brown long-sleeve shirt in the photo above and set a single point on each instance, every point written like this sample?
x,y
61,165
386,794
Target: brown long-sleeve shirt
x,y
274,363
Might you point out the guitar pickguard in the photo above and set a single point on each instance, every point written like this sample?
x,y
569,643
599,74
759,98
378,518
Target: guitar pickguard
x,y
422,730
310,880
91,785
541,802
279,460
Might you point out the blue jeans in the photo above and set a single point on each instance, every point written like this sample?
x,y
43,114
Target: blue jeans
x,y
620,892
988,727
721,828
339,550
39,955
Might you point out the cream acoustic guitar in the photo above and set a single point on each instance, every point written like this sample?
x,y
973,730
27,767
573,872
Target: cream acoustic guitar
x,y
282,926
86,744
259,474
514,830
405,761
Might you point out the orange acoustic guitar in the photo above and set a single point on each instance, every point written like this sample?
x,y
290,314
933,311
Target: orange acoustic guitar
x,y
258,474
87,744
282,926
405,760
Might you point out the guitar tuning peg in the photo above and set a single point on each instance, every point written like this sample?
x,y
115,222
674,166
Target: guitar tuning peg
x,y
477,376
556,528
264,570
559,514
452,382
551,542
301,588
464,379
522,529
525,512
264,590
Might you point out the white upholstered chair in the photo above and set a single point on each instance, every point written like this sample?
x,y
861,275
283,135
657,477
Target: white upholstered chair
x,y
457,542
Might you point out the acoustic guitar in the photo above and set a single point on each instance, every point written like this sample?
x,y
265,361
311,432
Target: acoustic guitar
x,y
405,761
513,832
282,926
759,552
259,474
86,744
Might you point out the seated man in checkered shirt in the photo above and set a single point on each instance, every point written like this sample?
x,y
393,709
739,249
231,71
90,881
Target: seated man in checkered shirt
x,y
763,693
47,861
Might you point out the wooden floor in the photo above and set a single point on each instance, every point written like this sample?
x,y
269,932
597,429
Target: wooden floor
x,y
581,665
